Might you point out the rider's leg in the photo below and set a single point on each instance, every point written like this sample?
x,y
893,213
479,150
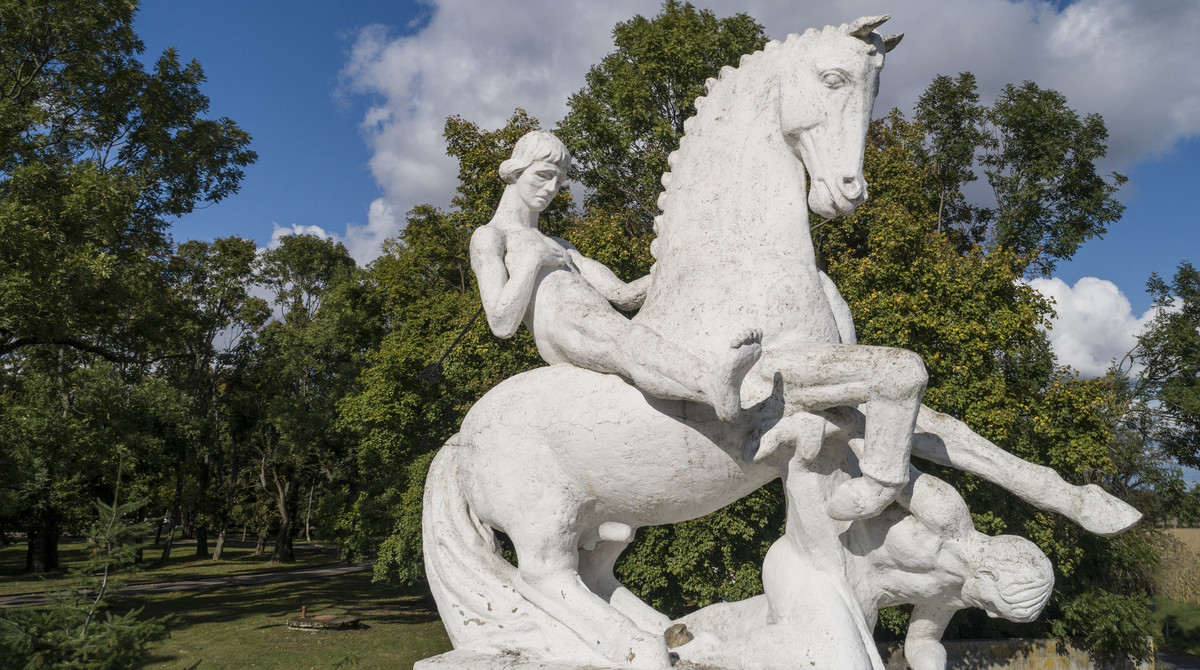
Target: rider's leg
x,y
611,343
890,382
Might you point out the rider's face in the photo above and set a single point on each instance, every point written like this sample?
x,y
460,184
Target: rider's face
x,y
538,184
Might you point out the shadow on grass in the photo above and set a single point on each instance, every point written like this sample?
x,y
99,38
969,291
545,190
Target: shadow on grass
x,y
71,552
184,564
344,594
1180,635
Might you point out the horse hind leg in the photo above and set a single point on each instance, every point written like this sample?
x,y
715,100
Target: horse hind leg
x,y
548,576
596,569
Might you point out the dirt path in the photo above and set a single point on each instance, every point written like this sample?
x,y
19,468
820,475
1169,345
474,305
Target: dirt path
x,y
1169,661
22,599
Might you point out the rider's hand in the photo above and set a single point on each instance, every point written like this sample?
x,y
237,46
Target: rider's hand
x,y
552,255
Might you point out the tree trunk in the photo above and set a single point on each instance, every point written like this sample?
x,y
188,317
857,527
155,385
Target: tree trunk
x,y
284,550
288,508
261,548
201,542
187,529
175,511
42,554
227,513
308,517
166,552
220,545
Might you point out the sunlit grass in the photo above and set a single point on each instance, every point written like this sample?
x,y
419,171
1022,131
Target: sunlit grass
x,y
244,627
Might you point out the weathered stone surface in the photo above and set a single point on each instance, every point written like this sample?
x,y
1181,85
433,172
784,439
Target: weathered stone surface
x,y
741,366
324,622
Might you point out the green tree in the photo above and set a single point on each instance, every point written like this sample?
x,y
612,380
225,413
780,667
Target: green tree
x,y
66,419
629,117
97,155
1169,350
1039,158
310,360
215,319
77,629
953,120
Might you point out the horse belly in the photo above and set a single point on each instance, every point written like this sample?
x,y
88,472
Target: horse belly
x,y
597,443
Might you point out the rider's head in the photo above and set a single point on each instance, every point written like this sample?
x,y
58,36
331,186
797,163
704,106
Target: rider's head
x,y
1010,578
538,146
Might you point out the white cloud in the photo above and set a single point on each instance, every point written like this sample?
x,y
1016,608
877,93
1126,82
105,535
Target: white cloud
x,y
1126,59
279,232
1095,323
363,242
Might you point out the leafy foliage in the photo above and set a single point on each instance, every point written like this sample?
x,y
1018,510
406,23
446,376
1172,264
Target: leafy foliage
x,y
77,631
624,123
309,359
1169,350
1039,158
96,155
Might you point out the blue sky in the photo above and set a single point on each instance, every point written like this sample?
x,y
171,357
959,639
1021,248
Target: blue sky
x,y
346,103
273,67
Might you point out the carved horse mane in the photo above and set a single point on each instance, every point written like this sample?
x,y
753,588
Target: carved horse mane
x,y
735,204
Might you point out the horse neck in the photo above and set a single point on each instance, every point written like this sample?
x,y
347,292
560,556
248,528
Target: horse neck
x,y
733,247
733,179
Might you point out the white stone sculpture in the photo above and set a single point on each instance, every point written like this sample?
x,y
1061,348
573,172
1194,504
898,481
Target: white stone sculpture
x,y
563,297
569,461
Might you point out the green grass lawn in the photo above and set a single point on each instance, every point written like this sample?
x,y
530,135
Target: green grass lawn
x,y
245,627
184,564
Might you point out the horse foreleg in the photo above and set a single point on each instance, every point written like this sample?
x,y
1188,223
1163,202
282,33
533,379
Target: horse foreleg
x,y
947,441
548,576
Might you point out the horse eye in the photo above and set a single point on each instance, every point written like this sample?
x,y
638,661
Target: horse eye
x,y
833,79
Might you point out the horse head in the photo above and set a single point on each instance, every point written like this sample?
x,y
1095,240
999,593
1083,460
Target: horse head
x,y
825,100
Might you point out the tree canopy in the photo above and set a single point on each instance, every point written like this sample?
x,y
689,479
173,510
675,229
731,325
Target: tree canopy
x,y
288,391
97,155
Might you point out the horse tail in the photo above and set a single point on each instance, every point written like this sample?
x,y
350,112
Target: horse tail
x,y
472,583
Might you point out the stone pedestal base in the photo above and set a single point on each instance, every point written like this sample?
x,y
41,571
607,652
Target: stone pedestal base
x,y
461,659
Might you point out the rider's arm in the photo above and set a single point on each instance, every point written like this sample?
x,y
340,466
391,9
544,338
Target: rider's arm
x,y
627,296
505,295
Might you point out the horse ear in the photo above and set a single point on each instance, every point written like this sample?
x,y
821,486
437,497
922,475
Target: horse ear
x,y
862,27
890,41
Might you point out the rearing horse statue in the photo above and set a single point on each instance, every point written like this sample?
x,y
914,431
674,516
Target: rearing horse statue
x,y
569,463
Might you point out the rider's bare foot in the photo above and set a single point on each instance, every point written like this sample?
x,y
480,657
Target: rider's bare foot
x,y
744,352
861,498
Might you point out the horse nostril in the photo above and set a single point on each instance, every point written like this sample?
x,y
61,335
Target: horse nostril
x,y
851,187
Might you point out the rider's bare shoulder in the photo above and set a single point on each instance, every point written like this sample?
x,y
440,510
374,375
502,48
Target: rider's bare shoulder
x,y
486,238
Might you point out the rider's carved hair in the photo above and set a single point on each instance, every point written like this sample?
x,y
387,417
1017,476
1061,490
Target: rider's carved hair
x,y
535,146
1021,575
